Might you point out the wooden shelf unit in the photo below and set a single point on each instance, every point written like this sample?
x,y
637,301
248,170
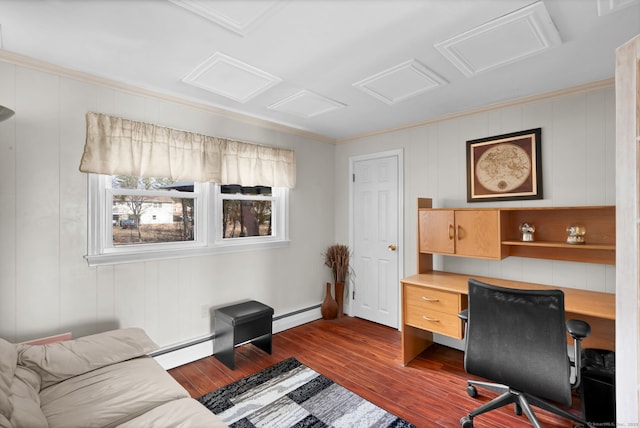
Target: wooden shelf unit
x,y
449,236
550,235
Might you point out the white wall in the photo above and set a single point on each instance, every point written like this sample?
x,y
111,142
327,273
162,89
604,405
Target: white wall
x,y
578,157
46,286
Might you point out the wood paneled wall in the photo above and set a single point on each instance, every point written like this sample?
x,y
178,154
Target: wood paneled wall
x,y
578,167
46,286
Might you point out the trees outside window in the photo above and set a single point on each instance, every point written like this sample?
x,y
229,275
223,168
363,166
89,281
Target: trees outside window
x,y
246,211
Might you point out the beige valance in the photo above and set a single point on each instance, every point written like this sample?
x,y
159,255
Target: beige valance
x,y
117,146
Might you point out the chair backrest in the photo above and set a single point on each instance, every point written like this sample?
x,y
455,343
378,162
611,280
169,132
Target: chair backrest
x,y
518,338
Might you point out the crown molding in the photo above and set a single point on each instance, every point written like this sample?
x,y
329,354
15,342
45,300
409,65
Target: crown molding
x,y
39,65
587,87
28,62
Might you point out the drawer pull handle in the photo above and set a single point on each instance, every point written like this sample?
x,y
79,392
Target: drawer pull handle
x,y
430,299
430,319
451,232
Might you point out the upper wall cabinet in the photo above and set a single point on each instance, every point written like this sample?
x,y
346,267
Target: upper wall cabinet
x,y
495,233
468,233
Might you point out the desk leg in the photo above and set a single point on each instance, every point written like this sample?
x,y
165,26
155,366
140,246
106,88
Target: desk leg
x,y
414,341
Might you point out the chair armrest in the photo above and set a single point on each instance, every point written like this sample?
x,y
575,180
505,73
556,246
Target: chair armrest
x,y
578,329
464,315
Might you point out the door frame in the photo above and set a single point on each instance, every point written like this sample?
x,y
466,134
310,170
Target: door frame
x,y
399,153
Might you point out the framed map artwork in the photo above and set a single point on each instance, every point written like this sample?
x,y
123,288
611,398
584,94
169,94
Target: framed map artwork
x,y
505,167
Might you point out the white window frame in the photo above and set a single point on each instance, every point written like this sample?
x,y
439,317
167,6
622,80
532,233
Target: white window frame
x,y
279,219
207,229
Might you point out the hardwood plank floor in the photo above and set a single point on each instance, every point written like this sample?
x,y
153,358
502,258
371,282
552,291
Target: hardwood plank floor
x,y
365,358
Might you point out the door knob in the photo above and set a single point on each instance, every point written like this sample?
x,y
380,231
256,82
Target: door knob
x,y
391,247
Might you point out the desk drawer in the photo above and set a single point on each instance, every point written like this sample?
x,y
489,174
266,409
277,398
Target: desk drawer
x,y
437,322
432,299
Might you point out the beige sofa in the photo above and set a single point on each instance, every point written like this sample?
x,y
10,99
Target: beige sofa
x,y
103,380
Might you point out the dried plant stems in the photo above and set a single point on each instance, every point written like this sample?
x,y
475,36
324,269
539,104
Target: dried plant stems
x,y
337,259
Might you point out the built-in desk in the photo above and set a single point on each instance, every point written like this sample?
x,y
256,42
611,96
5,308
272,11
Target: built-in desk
x,y
431,302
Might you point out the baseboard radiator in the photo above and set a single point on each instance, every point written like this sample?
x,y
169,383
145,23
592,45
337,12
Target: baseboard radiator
x,y
201,347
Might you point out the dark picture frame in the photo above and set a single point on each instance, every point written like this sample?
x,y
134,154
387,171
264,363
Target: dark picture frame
x,y
505,167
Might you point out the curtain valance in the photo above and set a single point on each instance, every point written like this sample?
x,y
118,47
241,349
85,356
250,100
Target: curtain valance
x,y
117,146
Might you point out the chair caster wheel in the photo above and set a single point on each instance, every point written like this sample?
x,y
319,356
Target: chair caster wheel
x,y
517,409
466,422
472,391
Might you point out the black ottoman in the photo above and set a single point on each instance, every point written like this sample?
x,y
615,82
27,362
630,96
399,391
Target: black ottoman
x,y
235,324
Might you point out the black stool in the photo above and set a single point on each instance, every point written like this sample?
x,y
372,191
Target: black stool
x,y
235,324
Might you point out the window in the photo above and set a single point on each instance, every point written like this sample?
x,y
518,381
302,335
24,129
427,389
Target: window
x,y
136,219
250,214
151,211
246,211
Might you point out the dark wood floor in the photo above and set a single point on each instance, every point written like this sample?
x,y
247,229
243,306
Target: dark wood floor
x,y
365,358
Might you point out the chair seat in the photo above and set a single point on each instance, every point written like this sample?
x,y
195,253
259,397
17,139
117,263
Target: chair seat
x,y
242,313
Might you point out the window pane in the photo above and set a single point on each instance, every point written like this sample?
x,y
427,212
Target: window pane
x,y
242,218
152,219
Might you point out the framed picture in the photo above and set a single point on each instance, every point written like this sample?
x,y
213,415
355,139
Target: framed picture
x,y
505,167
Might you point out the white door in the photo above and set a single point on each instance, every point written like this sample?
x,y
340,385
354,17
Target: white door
x,y
376,209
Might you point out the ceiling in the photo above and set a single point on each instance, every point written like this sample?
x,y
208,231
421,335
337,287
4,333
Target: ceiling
x,y
336,68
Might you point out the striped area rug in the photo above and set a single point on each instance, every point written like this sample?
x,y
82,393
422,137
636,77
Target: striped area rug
x,y
289,394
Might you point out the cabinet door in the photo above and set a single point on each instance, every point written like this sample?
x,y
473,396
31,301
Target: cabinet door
x,y
477,233
436,231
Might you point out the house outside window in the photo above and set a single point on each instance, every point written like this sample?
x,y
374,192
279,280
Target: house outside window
x,y
144,211
136,219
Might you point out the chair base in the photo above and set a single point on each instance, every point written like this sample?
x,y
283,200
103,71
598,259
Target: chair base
x,y
521,401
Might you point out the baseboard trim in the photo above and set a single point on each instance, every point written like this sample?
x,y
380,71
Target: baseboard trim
x,y
294,319
191,350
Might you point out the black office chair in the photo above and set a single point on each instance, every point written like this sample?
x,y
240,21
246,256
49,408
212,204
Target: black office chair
x,y
518,339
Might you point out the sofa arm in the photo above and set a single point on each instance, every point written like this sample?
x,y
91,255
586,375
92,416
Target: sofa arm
x,y
55,362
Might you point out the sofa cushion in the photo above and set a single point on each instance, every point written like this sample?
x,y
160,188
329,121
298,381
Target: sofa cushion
x,y
183,413
109,396
8,359
26,400
55,362
4,422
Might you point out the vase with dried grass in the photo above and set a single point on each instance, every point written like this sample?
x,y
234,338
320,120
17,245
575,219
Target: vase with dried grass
x,y
337,259
329,307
